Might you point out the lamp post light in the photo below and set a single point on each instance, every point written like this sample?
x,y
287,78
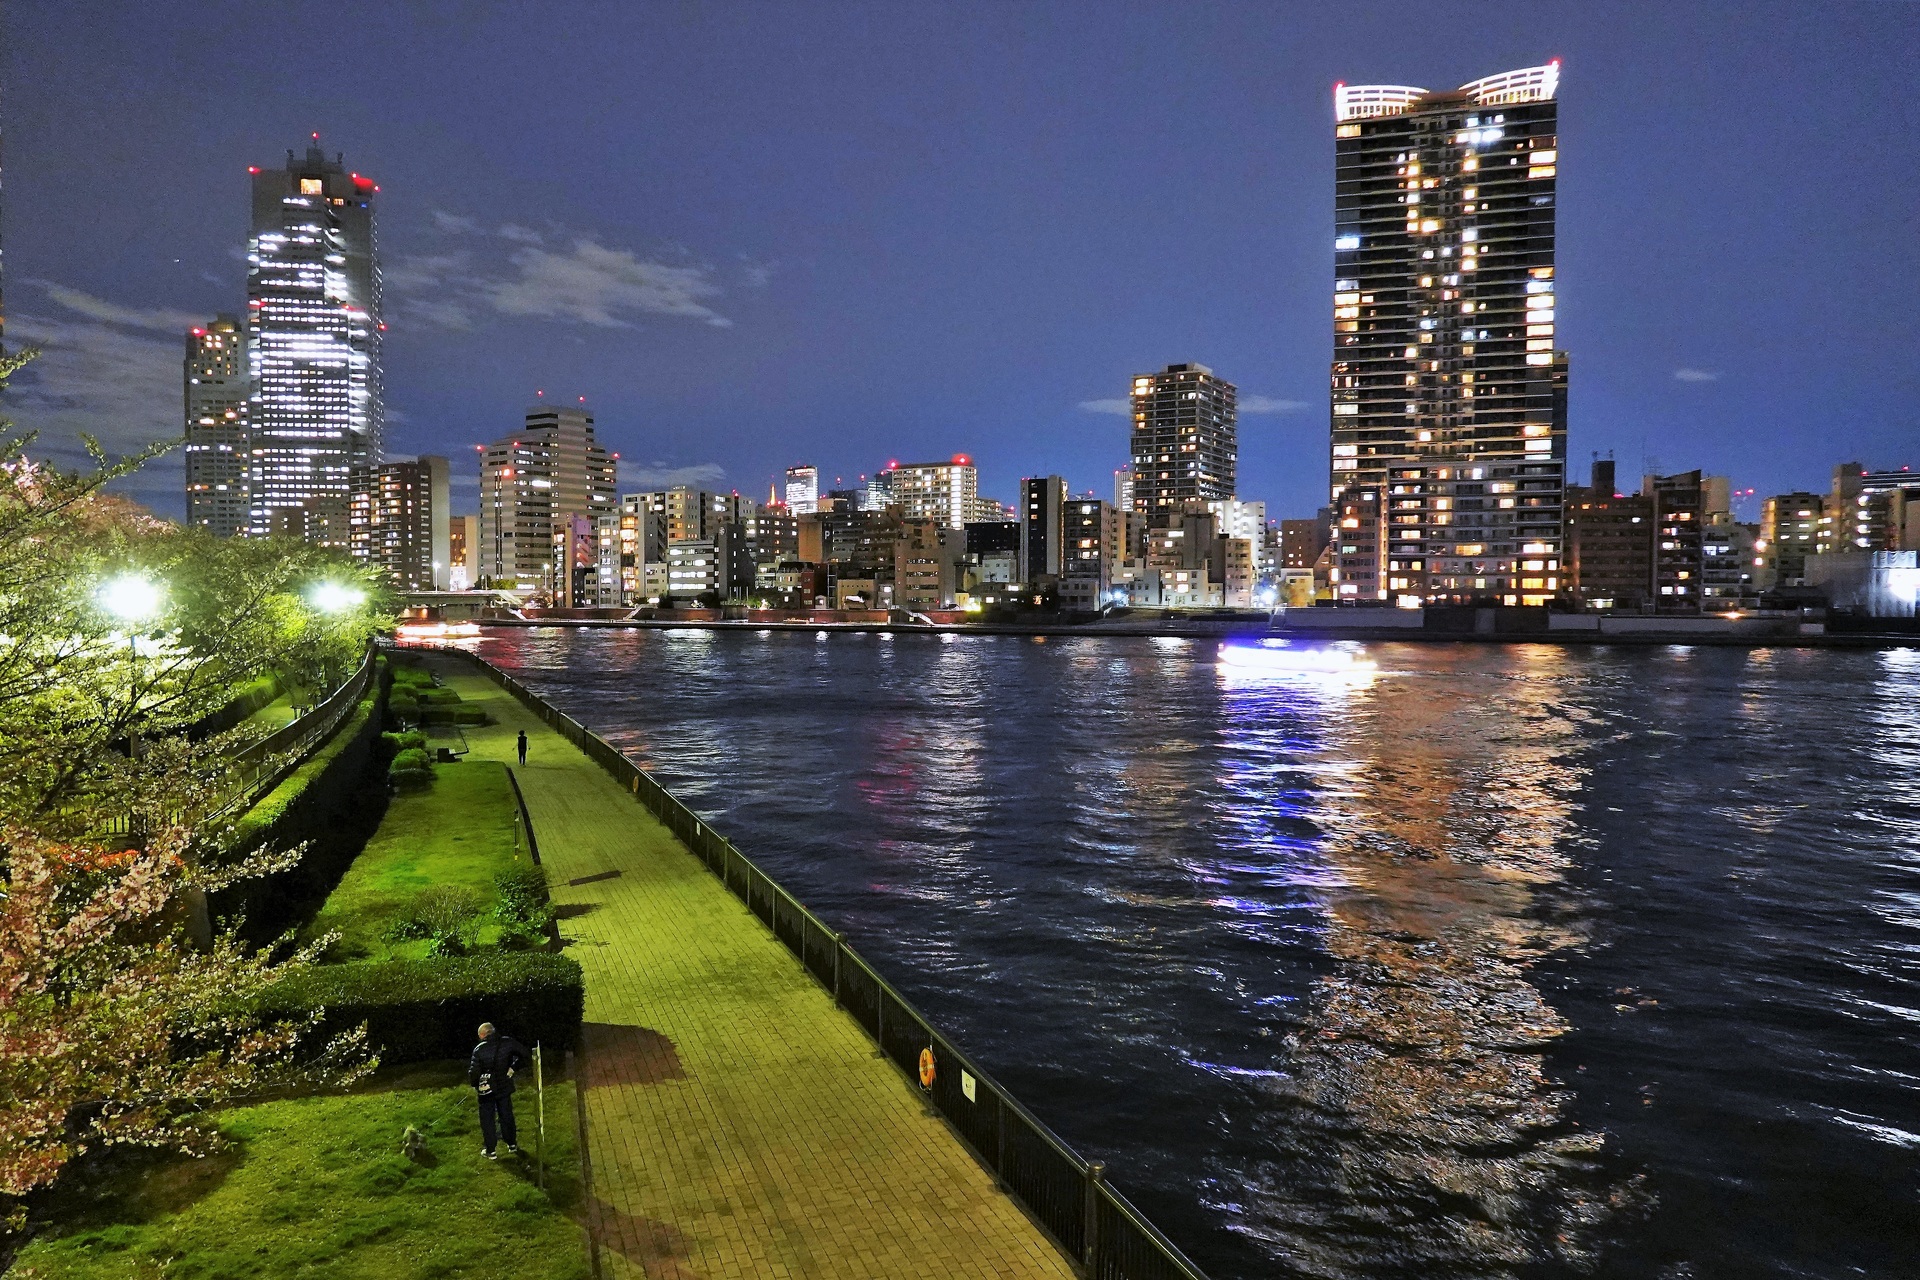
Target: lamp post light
x,y
333,598
133,599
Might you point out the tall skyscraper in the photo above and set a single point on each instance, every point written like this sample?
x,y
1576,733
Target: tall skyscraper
x,y
219,448
1449,395
1123,488
1186,442
533,486
803,490
313,344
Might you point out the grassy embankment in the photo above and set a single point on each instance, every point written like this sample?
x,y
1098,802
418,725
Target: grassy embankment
x,y
318,1186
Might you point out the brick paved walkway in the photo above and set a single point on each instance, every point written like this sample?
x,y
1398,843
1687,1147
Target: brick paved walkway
x,y
739,1125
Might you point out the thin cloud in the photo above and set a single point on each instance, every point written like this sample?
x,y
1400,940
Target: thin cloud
x,y
1120,407
659,475
120,387
160,319
514,270
1695,375
1267,404
599,286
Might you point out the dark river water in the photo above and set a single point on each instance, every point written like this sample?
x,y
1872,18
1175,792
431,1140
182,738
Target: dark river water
x,y
1510,961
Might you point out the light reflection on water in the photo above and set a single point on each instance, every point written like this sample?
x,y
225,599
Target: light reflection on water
x,y
1517,961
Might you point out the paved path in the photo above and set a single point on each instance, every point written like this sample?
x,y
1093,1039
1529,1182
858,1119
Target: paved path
x,y
739,1125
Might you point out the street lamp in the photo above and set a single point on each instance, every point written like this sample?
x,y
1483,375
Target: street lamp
x,y
131,597
331,597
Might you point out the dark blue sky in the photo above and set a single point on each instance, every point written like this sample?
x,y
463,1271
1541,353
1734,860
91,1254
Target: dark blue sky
x,y
763,233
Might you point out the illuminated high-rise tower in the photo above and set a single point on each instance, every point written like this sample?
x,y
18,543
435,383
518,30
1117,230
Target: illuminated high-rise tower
x,y
1449,394
219,446
1186,440
313,341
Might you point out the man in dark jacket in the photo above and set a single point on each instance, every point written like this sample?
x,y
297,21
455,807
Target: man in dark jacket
x,y
495,1062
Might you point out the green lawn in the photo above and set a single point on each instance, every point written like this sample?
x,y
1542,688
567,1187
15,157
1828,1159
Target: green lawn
x,y
458,831
318,1188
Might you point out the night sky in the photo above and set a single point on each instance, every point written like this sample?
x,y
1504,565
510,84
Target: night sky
x,y
761,233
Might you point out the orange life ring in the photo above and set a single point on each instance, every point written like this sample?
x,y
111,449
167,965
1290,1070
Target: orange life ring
x,y
926,1067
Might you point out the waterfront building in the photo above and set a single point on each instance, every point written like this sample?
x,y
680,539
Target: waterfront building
x,y
1789,534
1870,511
1449,395
463,552
1678,560
1608,539
945,491
313,346
773,538
531,484
693,515
1728,574
1358,563
990,537
633,553
1241,519
1043,529
1186,443
927,564
1093,552
1302,541
1123,488
219,447
803,489
709,570
401,523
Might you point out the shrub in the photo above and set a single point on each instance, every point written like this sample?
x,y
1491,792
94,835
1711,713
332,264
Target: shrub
x,y
409,741
411,768
420,1009
447,915
523,911
444,713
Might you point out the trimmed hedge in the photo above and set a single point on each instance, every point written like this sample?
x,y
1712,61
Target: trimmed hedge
x,y
416,1010
332,802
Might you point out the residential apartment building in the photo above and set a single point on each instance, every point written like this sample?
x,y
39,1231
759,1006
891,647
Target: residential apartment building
x,y
402,525
1789,533
1449,395
1185,443
1679,562
945,491
219,445
928,556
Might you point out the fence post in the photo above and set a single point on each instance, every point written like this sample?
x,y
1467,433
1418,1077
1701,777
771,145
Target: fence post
x,y
1000,1137
839,945
880,1018
1095,1173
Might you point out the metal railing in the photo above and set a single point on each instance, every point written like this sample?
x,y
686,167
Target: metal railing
x,y
263,764
1070,1199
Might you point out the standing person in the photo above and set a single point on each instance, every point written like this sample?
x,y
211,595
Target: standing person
x,y
523,746
496,1059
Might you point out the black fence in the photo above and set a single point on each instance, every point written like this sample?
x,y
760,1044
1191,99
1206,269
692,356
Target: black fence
x,y
1092,1223
263,764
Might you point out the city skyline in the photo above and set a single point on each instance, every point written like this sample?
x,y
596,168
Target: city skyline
x,y
1669,361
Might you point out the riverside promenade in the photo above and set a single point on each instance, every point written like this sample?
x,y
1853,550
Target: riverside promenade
x,y
738,1124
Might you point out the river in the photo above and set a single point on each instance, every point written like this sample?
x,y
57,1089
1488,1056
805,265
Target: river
x,y
1508,961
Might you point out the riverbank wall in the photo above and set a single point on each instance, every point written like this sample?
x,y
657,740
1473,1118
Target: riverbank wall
x,y
1454,626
